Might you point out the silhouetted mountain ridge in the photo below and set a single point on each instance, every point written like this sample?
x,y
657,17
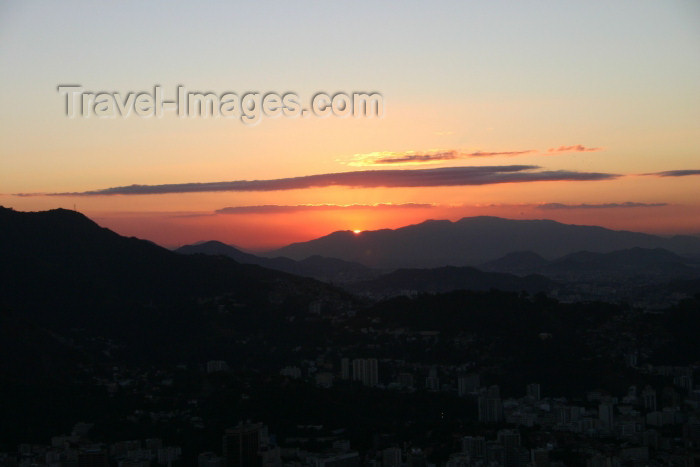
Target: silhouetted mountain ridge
x,y
516,262
620,264
62,266
476,240
318,267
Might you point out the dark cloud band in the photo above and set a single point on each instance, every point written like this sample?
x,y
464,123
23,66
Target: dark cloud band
x,y
628,204
676,173
276,208
446,176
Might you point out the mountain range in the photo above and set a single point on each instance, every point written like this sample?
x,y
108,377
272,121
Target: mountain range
x,y
318,267
629,270
63,261
360,279
472,241
585,265
60,266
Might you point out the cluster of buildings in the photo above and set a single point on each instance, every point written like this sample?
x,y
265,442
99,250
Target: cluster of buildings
x,y
76,450
650,424
643,425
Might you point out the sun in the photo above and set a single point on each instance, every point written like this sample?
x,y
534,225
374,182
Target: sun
x,y
356,232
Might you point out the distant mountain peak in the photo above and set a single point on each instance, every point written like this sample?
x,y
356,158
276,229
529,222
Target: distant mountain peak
x,y
476,240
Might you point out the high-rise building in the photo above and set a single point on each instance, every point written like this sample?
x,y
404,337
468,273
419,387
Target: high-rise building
x,y
93,457
416,458
432,381
509,438
405,380
468,384
605,414
391,457
372,372
209,459
490,405
366,370
358,369
684,378
649,398
539,458
532,391
495,453
324,379
169,454
271,456
242,445
345,368
475,446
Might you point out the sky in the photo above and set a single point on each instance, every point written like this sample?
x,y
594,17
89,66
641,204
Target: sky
x,y
581,112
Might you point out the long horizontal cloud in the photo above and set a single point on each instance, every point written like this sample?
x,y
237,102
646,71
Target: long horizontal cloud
x,y
628,204
574,148
412,157
676,173
276,208
446,176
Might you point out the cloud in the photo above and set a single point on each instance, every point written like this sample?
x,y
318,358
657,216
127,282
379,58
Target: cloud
x,y
575,148
412,157
431,157
502,153
396,178
628,204
276,208
379,158
676,173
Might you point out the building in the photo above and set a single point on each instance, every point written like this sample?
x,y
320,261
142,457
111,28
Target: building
x,y
214,366
366,370
315,307
345,459
209,459
169,454
532,391
345,369
475,446
242,445
391,457
459,459
416,458
293,372
649,398
509,438
495,453
539,458
93,457
490,405
324,379
432,381
605,415
405,380
468,384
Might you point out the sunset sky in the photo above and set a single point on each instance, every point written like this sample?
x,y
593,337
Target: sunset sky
x,y
584,112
